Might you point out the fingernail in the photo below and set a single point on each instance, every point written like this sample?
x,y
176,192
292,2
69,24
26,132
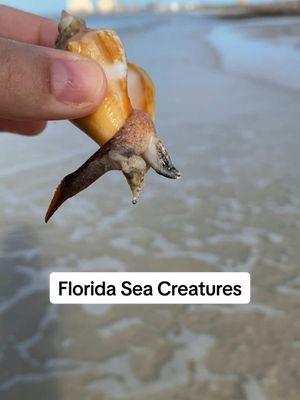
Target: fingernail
x,y
76,81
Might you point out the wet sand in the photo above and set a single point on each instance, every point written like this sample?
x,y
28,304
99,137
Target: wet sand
x,y
234,134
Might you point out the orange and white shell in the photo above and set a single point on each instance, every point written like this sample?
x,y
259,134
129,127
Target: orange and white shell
x,y
128,85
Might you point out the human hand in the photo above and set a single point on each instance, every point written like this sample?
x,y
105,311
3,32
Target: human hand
x,y
39,83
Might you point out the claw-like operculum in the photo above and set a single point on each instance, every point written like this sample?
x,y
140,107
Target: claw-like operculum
x,y
89,172
133,167
158,157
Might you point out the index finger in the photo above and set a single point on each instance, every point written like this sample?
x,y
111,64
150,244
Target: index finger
x,y
25,27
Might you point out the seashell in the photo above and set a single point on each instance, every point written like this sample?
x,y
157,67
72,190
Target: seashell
x,y
105,47
141,89
122,125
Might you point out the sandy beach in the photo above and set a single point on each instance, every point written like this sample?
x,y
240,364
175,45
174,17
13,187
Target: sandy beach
x,y
228,109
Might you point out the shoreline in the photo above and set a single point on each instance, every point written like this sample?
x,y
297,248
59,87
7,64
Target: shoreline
x,y
230,11
248,11
237,43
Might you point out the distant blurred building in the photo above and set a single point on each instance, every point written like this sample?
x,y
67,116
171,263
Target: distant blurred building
x,y
190,6
160,8
80,6
174,6
107,6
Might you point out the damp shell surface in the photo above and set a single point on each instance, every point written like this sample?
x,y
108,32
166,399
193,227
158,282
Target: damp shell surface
x,y
106,48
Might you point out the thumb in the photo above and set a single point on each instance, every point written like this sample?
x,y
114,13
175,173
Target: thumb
x,y
38,83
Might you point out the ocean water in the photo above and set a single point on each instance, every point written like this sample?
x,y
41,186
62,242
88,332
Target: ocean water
x,y
233,131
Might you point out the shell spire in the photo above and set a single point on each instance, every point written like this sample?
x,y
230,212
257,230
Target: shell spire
x,y
123,124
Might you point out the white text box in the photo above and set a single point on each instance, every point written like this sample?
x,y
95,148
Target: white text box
x,y
150,288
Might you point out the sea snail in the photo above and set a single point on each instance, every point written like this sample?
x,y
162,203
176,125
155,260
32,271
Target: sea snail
x,y
122,125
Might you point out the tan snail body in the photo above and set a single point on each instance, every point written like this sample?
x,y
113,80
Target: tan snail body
x,y
122,125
